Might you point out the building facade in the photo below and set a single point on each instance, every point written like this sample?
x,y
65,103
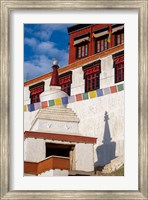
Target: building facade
x,y
74,116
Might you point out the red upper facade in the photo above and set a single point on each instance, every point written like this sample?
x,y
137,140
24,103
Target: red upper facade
x,y
87,43
88,39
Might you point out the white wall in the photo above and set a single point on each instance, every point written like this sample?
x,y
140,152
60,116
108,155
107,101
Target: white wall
x,y
29,118
107,72
84,157
34,149
26,95
78,82
55,126
92,115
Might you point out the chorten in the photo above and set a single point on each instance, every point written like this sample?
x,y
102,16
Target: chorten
x,y
54,90
57,119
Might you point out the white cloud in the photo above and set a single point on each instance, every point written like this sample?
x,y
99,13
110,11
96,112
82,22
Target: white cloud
x,y
43,50
44,47
30,41
46,30
41,65
36,67
44,35
49,49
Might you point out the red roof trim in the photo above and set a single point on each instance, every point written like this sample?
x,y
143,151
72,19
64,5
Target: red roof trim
x,y
61,137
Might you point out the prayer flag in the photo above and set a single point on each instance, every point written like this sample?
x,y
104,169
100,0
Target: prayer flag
x,y
99,92
92,94
64,100
51,102
85,96
113,89
44,104
120,87
58,101
78,97
37,105
25,108
106,91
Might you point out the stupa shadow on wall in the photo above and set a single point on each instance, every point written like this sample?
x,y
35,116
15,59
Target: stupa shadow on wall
x,y
106,151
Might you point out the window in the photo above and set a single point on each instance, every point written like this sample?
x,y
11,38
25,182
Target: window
x,y
35,91
92,76
119,72
58,149
65,82
82,51
101,44
119,38
101,39
119,66
81,45
118,31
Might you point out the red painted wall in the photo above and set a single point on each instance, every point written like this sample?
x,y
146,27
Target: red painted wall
x,y
91,50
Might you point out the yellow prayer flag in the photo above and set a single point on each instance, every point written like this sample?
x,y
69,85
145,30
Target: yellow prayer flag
x,y
25,108
109,38
58,101
92,94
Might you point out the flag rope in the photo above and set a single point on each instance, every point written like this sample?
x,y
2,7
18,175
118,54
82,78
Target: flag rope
x,y
74,98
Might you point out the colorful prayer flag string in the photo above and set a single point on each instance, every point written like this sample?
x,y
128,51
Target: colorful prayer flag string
x,y
74,98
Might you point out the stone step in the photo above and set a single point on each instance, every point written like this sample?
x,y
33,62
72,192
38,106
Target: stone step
x,y
59,107
57,112
80,173
58,118
114,165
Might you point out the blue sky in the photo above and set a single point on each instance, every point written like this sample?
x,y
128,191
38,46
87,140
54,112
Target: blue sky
x,y
43,43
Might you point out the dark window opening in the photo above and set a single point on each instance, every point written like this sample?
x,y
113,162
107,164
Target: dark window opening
x,y
101,44
92,82
58,150
119,67
35,91
65,82
119,38
81,50
119,72
92,76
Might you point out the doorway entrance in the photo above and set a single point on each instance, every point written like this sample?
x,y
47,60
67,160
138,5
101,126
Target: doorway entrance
x,y
62,150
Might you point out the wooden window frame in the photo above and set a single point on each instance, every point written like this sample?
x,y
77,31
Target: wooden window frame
x,y
82,50
119,72
101,44
35,91
65,82
92,76
119,67
119,38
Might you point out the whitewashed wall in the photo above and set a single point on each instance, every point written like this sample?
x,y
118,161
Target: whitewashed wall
x,y
84,157
26,95
92,113
35,151
55,126
78,82
107,72
29,118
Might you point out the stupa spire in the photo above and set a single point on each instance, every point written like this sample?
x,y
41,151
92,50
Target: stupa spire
x,y
55,76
